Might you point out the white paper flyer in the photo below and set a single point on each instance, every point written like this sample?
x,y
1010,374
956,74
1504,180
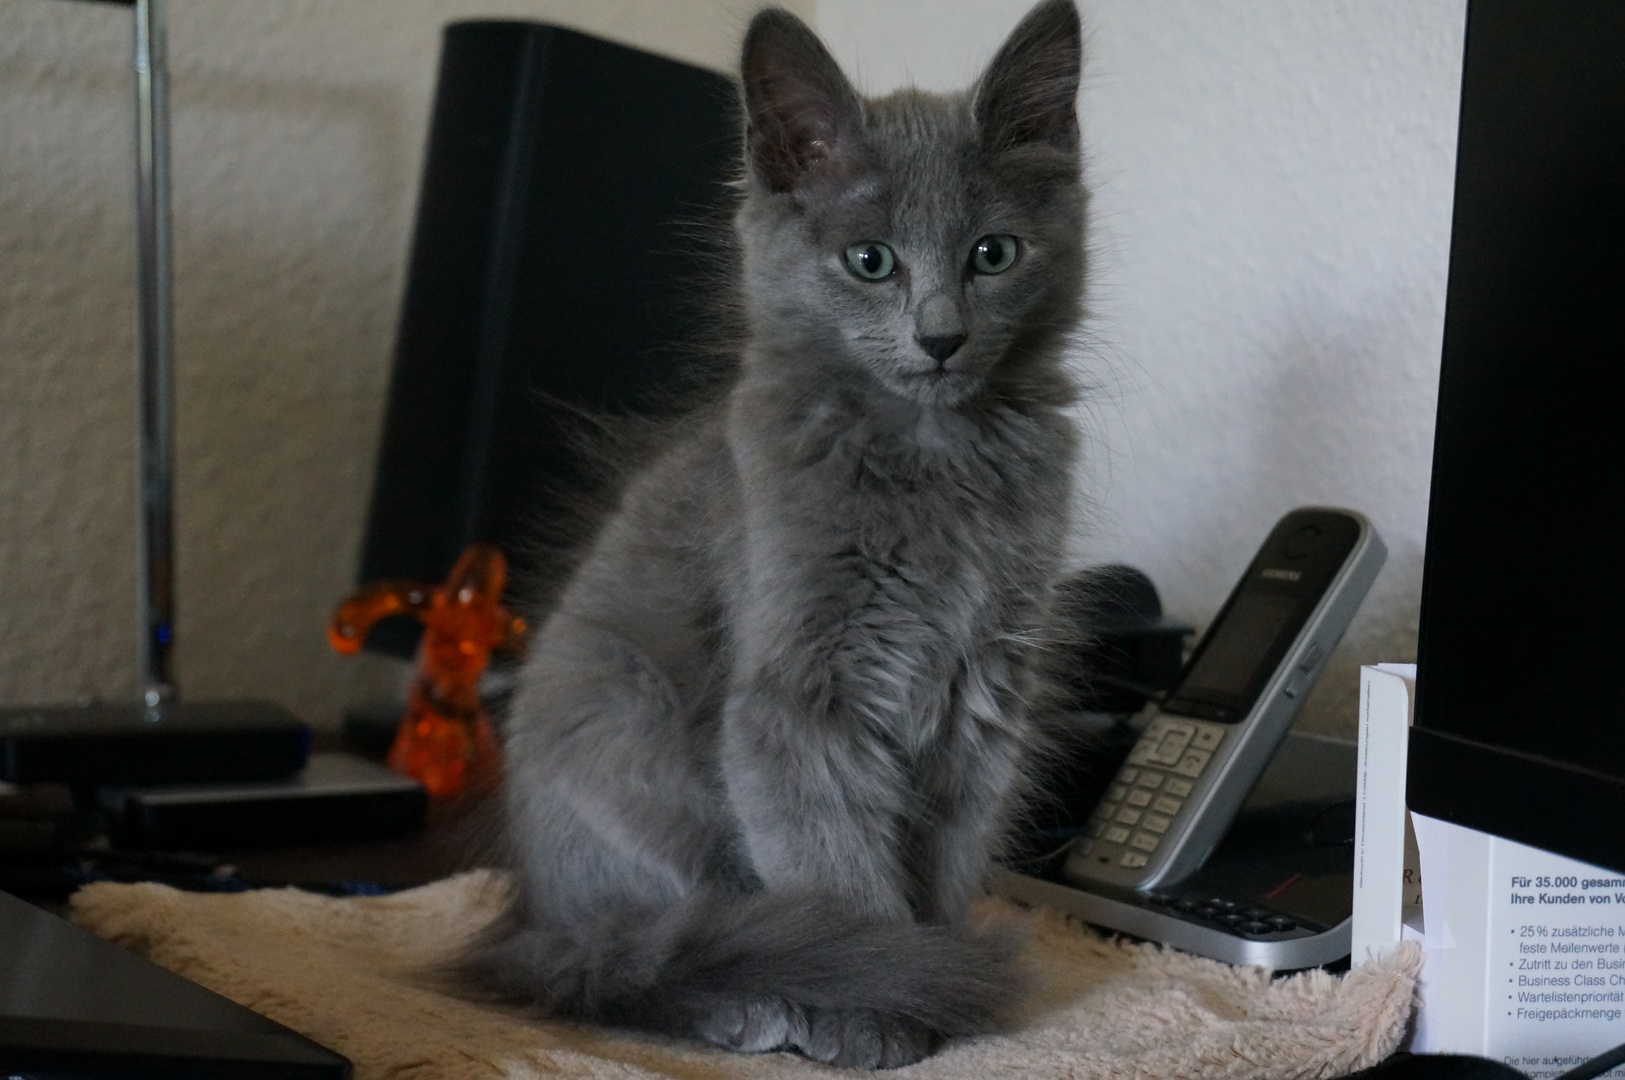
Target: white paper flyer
x,y
1525,948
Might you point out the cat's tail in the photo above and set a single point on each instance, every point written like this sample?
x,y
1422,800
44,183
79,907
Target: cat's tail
x,y
757,972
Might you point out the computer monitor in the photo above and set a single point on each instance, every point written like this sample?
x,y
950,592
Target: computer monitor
x,y
1520,713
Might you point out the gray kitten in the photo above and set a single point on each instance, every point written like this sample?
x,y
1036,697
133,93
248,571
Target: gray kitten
x,y
763,747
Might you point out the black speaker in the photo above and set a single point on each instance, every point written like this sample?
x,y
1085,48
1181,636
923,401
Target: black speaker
x,y
574,192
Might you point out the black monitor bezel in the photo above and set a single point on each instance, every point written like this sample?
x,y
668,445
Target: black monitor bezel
x,y
1465,764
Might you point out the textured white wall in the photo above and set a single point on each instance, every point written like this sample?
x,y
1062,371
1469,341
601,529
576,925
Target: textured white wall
x,y
1272,186
298,131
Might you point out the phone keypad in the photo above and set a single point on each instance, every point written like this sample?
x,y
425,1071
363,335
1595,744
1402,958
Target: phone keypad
x,y
1241,919
1140,805
1167,805
1191,763
1207,737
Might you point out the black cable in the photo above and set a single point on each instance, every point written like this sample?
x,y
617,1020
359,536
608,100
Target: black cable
x,y
1597,1065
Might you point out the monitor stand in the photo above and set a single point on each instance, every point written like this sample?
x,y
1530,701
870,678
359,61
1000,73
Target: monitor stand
x,y
1277,892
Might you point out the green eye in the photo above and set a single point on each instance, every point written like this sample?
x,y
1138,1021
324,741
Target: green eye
x,y
994,254
872,261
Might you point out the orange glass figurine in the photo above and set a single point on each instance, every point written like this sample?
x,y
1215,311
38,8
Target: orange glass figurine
x,y
445,741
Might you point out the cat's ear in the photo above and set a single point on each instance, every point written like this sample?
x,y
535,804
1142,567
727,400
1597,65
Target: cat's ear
x,y
1029,93
800,111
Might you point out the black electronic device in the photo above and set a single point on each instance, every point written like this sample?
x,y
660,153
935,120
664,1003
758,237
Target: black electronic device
x,y
167,743
1116,649
1217,730
1278,890
335,798
1517,721
574,195
73,1005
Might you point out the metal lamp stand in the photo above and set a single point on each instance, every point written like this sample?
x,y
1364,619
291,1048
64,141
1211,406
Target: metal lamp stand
x,y
155,361
157,739
155,388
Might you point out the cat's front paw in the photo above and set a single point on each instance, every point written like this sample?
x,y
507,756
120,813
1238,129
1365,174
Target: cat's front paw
x,y
754,1027
863,1038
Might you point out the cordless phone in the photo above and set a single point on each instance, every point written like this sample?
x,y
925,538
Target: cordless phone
x,y
1204,749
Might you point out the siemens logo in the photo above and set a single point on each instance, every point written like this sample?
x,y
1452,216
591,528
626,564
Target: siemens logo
x,y
1280,573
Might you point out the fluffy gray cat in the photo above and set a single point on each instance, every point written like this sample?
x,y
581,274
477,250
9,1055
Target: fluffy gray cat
x,y
764,745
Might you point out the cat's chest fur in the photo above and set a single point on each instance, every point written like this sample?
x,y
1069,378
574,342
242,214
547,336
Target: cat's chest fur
x,y
906,547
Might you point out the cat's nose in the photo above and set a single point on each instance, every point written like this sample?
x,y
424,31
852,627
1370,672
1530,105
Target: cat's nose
x,y
941,346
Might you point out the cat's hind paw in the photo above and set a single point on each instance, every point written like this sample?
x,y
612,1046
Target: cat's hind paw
x,y
864,1039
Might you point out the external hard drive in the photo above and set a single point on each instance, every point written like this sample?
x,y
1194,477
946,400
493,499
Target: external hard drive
x,y
336,797
170,743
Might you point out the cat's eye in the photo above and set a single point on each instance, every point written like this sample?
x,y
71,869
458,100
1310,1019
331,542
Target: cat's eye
x,y
871,261
994,254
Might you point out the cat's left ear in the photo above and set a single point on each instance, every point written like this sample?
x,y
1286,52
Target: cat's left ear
x,y
802,113
1029,93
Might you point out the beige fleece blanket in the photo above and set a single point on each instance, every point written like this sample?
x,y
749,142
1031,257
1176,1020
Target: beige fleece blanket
x,y
339,971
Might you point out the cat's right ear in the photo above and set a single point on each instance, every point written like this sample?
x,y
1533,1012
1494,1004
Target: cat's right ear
x,y
802,116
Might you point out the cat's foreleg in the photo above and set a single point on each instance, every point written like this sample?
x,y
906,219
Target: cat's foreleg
x,y
968,784
958,839
820,803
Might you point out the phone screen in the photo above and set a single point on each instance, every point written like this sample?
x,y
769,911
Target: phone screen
x,y
1228,665
1235,659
